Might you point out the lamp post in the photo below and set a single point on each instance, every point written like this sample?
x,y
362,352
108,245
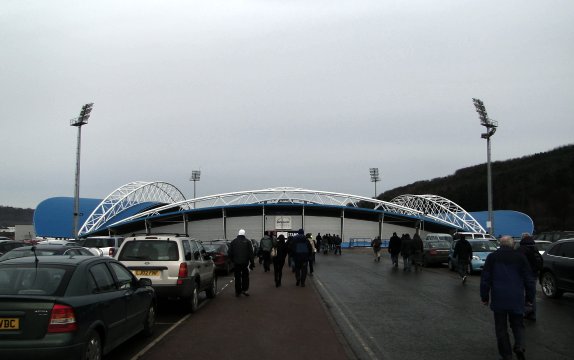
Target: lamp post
x,y
375,178
490,126
195,175
78,122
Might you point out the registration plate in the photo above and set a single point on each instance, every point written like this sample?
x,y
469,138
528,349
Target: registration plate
x,y
146,272
9,324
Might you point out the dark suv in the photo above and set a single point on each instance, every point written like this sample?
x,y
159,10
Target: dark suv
x,y
557,275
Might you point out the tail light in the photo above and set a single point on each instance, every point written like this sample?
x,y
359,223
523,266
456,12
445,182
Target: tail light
x,y
433,252
112,252
182,274
62,319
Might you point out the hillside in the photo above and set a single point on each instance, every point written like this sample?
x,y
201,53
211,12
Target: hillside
x,y
539,185
10,216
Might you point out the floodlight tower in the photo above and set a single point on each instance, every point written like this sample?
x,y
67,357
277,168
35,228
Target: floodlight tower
x,y
375,178
78,122
490,126
195,175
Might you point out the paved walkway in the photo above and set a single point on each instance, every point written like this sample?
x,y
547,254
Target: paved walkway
x,y
288,323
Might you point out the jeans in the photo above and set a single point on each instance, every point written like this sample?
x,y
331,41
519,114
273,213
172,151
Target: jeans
x,y
301,271
462,267
337,249
531,313
501,320
241,273
266,260
407,262
278,269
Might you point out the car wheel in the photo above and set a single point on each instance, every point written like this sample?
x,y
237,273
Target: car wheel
x,y
193,300
212,289
548,285
93,349
149,321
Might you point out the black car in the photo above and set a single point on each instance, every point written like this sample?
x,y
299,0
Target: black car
x,y
39,250
557,275
70,307
218,250
7,245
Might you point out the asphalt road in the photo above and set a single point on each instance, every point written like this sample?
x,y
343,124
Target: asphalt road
x,y
383,313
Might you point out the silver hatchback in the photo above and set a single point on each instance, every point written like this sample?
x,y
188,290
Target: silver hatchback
x,y
178,266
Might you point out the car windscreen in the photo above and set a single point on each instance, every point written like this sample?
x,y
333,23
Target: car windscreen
x,y
441,244
149,250
99,242
17,253
30,280
483,246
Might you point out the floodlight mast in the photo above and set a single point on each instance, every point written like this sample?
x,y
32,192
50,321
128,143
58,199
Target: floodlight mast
x,y
375,178
491,126
79,122
195,176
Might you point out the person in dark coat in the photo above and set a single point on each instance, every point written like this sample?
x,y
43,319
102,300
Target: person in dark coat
x,y
463,254
406,251
301,253
241,254
376,244
418,249
394,249
504,282
529,249
279,259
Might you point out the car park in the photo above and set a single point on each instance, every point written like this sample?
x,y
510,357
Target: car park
x,y
7,245
108,245
178,266
43,250
435,252
218,250
557,274
70,307
481,248
541,245
553,236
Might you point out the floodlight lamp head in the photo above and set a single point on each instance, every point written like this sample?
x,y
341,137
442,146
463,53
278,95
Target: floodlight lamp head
x,y
195,175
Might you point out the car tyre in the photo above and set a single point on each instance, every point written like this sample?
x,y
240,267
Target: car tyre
x,y
549,286
93,347
149,321
193,300
212,289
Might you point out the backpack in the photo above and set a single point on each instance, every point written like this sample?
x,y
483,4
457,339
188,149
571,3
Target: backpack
x,y
538,260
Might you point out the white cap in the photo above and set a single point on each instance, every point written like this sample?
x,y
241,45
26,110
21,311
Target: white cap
x,y
241,232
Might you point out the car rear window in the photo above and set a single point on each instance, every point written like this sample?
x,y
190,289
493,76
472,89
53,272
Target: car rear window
x,y
439,244
221,248
483,246
99,243
30,280
149,250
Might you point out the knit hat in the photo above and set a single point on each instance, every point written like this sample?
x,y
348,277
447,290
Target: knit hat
x,y
527,240
241,232
301,232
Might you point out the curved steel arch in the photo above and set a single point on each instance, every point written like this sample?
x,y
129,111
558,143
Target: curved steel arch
x,y
420,206
127,196
277,195
440,209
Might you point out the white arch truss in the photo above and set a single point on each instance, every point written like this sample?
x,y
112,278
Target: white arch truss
x,y
440,209
129,195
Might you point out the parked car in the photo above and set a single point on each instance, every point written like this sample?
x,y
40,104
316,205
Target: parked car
x,y
480,250
69,307
218,250
541,245
59,242
553,236
178,266
438,236
7,245
435,252
473,235
43,250
108,245
557,275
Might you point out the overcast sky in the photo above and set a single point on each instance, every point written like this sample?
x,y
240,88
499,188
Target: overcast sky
x,y
261,94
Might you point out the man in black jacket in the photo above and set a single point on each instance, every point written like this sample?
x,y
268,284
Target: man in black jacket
x,y
241,254
463,253
301,253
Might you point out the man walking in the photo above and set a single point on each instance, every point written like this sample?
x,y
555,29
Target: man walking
x,y
463,254
376,244
406,251
505,281
266,244
395,249
241,254
300,252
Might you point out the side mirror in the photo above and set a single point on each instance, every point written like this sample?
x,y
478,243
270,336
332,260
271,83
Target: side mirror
x,y
143,282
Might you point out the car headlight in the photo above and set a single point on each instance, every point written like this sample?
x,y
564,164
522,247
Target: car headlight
x,y
474,257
